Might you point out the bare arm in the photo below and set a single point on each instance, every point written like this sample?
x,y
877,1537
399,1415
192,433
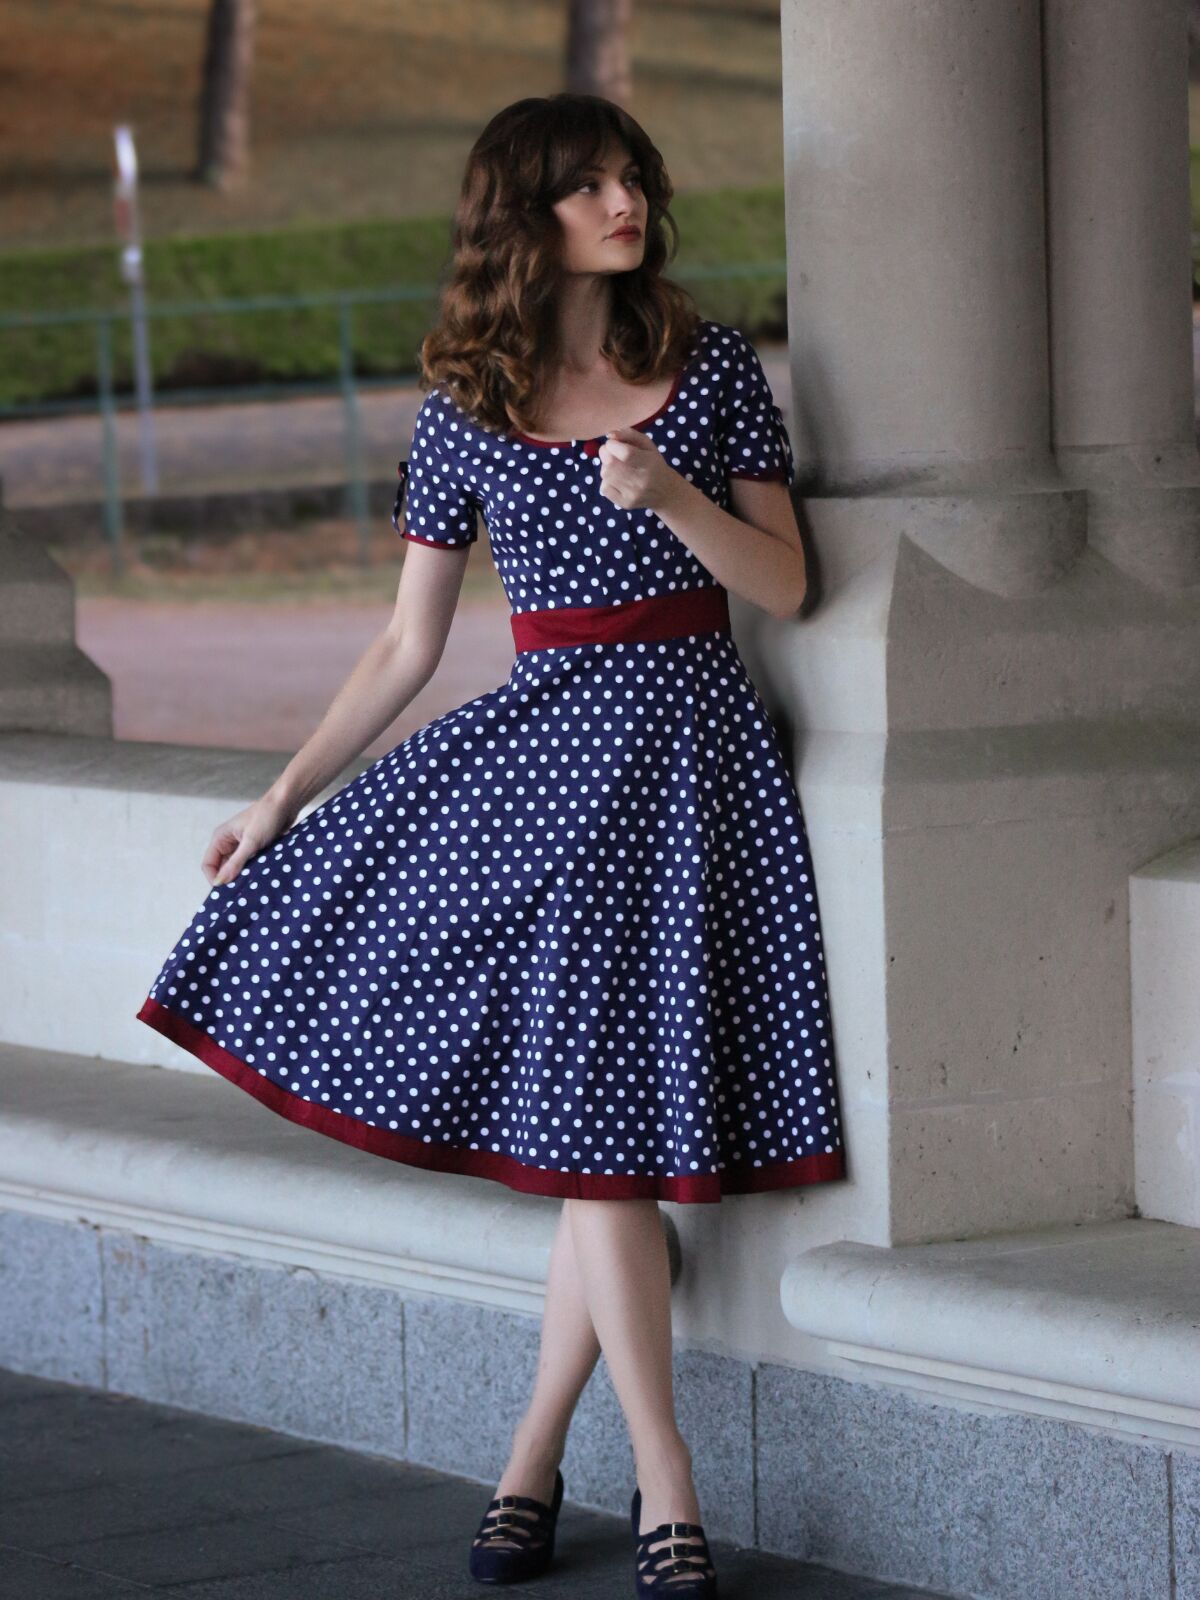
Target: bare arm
x,y
755,550
393,669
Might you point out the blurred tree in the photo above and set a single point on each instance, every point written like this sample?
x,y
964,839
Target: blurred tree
x,y
224,154
598,49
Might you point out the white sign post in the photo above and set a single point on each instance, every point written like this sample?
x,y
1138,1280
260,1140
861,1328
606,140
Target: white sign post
x,y
129,230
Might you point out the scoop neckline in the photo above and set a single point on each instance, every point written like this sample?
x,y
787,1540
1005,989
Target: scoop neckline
x,y
599,438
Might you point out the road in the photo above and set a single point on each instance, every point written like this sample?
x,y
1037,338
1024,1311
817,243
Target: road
x,y
252,444
260,676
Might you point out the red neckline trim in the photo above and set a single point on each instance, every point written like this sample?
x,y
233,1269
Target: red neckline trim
x,y
599,438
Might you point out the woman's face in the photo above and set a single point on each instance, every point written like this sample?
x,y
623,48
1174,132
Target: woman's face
x,y
598,216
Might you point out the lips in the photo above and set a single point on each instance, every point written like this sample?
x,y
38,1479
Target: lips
x,y
626,233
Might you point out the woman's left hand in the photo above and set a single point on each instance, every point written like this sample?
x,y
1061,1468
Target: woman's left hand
x,y
633,473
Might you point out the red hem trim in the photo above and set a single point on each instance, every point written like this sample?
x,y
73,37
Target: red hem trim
x,y
705,1187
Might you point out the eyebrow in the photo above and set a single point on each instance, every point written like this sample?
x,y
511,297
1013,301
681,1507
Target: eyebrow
x,y
625,168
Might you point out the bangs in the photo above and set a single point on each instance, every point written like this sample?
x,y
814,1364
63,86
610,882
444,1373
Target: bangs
x,y
579,144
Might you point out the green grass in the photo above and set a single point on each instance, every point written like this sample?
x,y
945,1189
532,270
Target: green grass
x,y
362,118
272,346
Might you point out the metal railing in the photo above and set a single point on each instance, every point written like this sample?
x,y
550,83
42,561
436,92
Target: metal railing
x,y
348,383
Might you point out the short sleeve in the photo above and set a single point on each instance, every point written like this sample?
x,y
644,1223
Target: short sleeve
x,y
754,437
436,507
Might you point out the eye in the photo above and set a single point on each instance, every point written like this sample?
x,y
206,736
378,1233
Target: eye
x,y
590,183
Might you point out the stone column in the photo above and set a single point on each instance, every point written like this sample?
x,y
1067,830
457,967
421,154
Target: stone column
x,y
1119,236
917,296
996,720
46,681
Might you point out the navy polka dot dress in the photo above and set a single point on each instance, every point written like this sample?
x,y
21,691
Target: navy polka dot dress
x,y
565,936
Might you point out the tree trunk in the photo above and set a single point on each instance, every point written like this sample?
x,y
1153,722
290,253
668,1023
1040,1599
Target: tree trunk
x,y
224,153
598,49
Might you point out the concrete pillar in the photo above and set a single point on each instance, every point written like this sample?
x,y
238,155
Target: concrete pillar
x,y
917,304
1119,236
1119,245
995,693
46,681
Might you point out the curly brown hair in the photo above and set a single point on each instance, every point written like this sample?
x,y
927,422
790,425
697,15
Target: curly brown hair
x,y
495,343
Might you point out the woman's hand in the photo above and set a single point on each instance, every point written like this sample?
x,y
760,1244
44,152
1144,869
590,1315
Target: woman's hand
x,y
244,835
633,473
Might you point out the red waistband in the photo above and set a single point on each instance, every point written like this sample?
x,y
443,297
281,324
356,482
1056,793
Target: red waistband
x,y
658,616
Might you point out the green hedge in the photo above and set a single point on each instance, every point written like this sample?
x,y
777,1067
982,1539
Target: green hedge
x,y
725,229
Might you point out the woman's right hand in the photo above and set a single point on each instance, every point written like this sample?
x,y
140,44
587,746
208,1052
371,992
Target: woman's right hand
x,y
244,835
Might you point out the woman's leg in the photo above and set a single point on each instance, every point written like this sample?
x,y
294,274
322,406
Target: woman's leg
x,y
621,1254
567,1356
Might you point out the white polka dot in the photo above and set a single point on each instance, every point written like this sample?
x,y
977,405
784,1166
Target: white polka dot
x,y
570,928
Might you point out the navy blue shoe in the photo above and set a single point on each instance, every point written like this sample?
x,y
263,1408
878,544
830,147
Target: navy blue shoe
x,y
659,1573
529,1523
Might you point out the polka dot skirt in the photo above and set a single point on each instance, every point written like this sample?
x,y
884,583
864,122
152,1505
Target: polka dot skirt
x,y
565,936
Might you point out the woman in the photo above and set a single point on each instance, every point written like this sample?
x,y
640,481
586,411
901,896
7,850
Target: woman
x,y
564,937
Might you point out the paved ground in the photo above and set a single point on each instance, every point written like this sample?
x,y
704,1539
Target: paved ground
x,y
261,677
107,1498
251,444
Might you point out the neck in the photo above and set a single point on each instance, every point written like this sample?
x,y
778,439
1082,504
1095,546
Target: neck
x,y
585,306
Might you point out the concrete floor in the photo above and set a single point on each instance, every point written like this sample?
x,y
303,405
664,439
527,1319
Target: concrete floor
x,y
106,1498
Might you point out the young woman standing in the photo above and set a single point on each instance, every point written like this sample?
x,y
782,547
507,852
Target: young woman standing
x,y
566,936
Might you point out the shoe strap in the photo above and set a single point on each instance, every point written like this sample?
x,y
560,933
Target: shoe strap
x,y
674,1570
499,1515
505,1502
676,1560
681,1560
506,1523
670,1530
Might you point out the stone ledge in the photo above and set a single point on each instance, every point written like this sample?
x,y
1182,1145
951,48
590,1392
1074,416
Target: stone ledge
x,y
1093,1322
184,1158
82,761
